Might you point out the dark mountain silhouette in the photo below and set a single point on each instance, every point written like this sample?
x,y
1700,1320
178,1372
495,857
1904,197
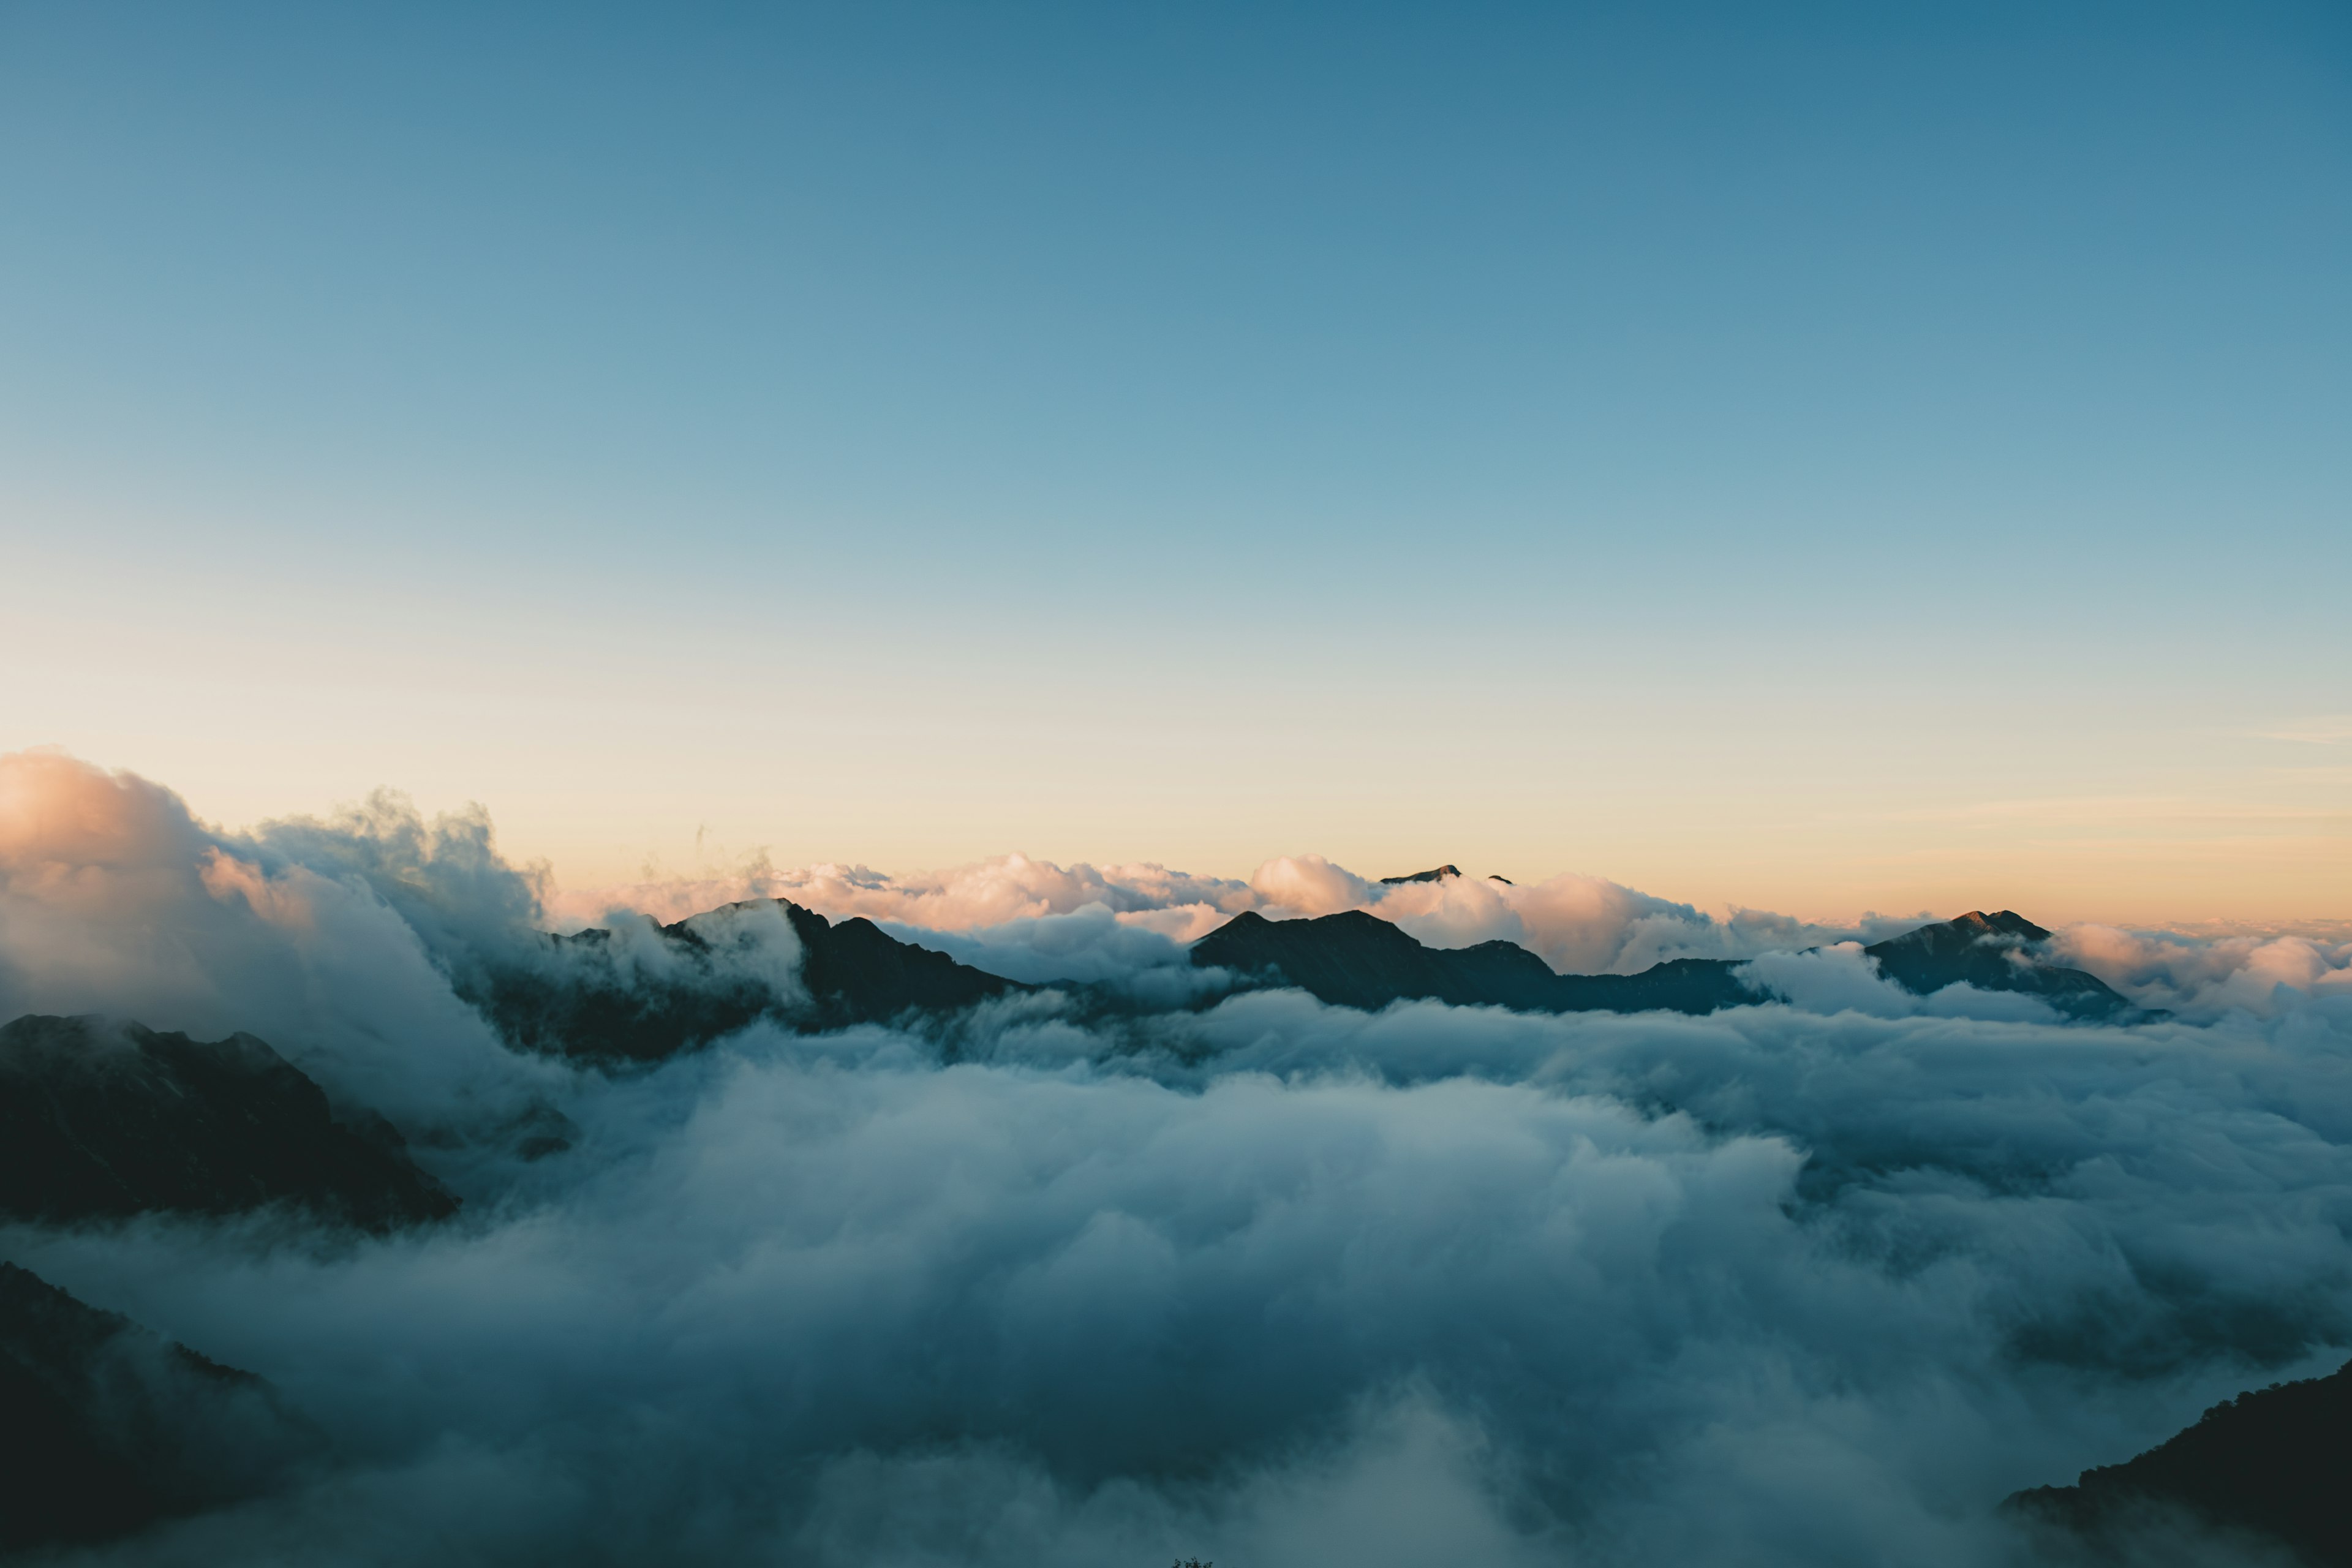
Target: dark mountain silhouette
x,y
2273,1461
107,1428
1358,960
1439,875
1991,952
582,995
103,1120
580,1005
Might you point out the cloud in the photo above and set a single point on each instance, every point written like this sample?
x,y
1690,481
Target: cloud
x,y
1579,925
1842,978
2205,978
1091,946
2322,729
1251,1278
987,893
1834,979
1761,1288
331,943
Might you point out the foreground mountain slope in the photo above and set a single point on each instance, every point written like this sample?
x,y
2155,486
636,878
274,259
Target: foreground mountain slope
x,y
107,1428
1359,960
103,1120
2275,1461
602,996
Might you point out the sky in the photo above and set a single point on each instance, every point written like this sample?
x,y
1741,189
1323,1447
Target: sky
x,y
1849,459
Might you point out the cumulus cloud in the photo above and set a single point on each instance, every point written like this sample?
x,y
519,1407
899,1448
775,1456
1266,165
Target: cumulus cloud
x,y
1834,979
987,893
2261,973
1815,1280
330,942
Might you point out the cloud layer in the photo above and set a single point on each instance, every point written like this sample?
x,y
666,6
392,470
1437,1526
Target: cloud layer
x,y
1813,1281
1579,925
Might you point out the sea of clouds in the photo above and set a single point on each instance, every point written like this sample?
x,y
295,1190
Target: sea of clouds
x,y
1814,1281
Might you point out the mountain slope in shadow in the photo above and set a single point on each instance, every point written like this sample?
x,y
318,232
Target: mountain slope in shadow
x,y
108,1427
2274,1462
1359,960
102,1120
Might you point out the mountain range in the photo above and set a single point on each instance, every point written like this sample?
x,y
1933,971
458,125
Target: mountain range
x,y
575,995
1359,960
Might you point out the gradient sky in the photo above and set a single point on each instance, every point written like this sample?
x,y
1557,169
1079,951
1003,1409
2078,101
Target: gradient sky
x,y
1819,458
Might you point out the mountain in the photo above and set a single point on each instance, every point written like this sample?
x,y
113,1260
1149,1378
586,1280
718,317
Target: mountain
x,y
2273,1461
1437,875
102,1119
605,996
583,1001
1359,960
107,1428
1991,952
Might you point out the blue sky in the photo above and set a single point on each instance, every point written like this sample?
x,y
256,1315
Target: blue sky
x,y
1713,448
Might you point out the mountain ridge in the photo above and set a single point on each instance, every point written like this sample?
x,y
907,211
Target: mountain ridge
x,y
584,995
1355,959
852,972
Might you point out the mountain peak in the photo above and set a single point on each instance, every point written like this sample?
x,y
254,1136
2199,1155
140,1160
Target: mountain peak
x,y
2005,922
1990,953
1437,875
